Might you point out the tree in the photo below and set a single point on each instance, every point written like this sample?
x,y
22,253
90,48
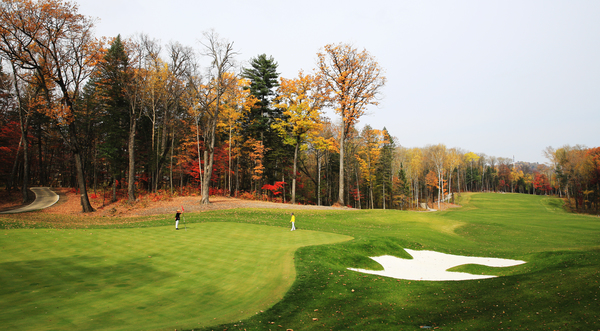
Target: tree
x,y
416,171
257,155
56,43
257,123
354,80
111,82
470,158
431,180
593,155
369,157
302,100
237,102
221,54
454,160
572,170
437,155
401,188
384,172
263,81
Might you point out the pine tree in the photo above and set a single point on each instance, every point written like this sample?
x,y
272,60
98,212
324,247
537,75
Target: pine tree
x,y
384,169
263,81
109,85
263,76
401,188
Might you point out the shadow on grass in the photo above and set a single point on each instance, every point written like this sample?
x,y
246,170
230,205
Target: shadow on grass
x,y
63,293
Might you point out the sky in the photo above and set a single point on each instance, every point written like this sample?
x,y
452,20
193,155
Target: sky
x,y
500,78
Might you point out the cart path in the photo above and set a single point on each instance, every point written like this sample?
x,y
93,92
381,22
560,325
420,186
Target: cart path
x,y
44,198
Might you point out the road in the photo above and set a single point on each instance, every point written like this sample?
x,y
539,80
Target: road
x,y
44,198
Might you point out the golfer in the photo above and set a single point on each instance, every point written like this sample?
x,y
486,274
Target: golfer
x,y
177,215
293,221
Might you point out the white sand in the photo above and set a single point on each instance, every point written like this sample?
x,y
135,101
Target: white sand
x,y
429,265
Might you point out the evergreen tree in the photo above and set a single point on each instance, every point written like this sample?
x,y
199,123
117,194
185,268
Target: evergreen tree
x,y
110,86
263,76
401,188
384,169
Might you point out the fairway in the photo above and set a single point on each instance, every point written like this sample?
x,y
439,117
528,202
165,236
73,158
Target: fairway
x,y
145,279
243,269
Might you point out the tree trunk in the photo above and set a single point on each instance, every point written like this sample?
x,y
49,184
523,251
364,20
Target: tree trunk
x,y
383,194
440,188
114,190
25,164
358,188
200,175
85,202
229,165
24,124
294,174
13,175
171,162
341,180
318,179
209,153
131,173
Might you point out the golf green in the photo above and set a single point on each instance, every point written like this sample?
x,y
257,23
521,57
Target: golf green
x,y
146,279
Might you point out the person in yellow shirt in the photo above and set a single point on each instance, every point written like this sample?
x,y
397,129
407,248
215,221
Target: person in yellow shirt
x,y
293,221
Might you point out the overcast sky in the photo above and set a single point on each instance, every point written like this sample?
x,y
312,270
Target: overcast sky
x,y
504,78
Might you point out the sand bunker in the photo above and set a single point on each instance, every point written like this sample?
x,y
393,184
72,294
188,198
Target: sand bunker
x,y
429,265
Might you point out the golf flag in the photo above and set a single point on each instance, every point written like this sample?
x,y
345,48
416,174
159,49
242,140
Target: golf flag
x,y
182,210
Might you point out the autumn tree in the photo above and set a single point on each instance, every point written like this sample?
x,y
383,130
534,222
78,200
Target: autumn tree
x,y
26,101
301,100
320,146
56,44
431,180
369,157
415,171
572,171
437,156
237,101
256,155
221,55
453,162
593,156
179,63
471,158
354,80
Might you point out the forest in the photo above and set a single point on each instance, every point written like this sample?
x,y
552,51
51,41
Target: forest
x,y
130,116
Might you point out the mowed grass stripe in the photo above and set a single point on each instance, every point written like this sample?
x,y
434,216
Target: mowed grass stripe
x,y
149,278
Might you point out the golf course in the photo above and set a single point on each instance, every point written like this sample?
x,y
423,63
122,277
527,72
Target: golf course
x,y
243,269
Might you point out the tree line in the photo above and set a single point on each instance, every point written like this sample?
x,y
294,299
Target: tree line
x,y
133,115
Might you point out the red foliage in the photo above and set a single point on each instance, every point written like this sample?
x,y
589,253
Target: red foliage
x,y
10,135
275,189
542,183
594,154
502,183
217,191
355,194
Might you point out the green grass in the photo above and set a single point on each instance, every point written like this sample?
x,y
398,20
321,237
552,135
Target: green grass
x,y
103,278
146,279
